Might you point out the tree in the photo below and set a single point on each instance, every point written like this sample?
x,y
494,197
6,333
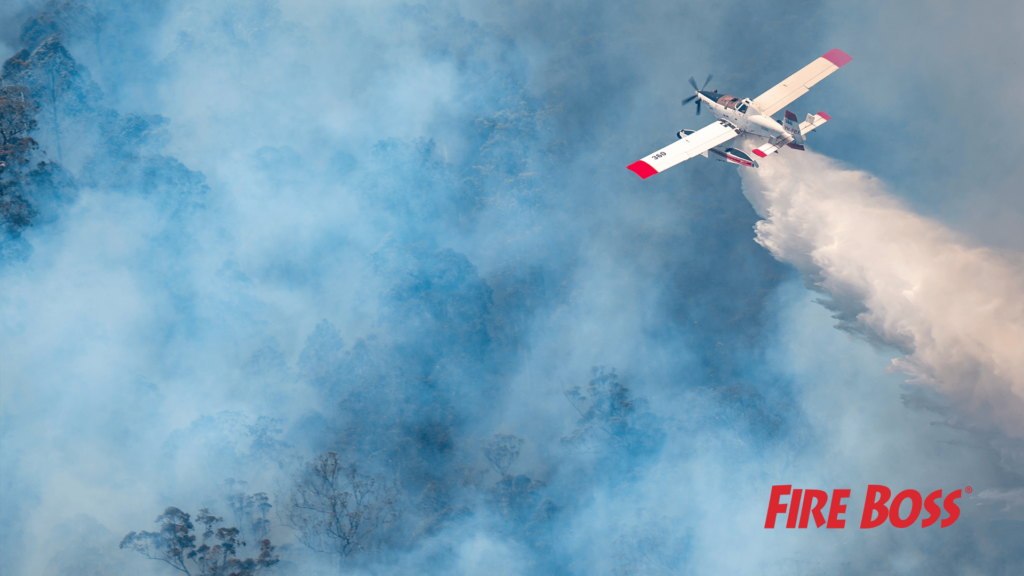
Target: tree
x,y
337,509
515,497
62,88
322,356
17,119
216,555
250,511
611,418
503,451
66,19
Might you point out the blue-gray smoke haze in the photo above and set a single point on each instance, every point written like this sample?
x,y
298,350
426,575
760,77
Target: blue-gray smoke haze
x,y
394,230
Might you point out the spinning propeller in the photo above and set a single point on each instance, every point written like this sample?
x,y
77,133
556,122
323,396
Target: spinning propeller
x,y
694,84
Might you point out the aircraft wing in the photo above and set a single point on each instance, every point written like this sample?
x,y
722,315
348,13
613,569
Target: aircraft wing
x,y
697,143
798,84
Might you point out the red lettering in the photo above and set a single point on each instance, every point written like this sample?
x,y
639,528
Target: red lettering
x,y
794,508
819,497
950,505
872,505
774,506
932,508
806,504
837,508
915,508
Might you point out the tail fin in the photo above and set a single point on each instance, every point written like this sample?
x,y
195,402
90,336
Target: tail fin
x,y
790,125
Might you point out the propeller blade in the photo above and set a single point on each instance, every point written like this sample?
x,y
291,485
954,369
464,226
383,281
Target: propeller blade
x,y
688,100
693,83
698,107
707,81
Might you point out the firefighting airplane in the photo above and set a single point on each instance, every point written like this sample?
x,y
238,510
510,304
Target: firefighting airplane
x,y
746,117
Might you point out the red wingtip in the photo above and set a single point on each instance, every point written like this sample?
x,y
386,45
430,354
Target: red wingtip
x,y
642,169
825,116
759,153
837,57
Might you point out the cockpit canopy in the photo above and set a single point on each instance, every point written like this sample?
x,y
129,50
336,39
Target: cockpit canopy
x,y
730,102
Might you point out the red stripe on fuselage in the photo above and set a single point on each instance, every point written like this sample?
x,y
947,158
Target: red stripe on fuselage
x,y
642,169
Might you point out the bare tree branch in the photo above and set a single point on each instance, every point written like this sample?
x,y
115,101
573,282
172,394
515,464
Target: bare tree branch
x,y
339,510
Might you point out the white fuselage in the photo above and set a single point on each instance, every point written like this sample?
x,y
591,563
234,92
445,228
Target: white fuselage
x,y
750,121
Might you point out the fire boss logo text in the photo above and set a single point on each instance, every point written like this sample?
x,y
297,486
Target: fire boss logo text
x,y
803,504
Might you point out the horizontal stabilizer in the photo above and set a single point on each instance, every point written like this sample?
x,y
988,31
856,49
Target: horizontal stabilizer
x,y
813,121
765,149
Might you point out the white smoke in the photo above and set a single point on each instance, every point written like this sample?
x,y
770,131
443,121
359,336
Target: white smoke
x,y
956,310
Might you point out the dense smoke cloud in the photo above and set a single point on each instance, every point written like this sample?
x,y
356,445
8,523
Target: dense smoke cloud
x,y
403,234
